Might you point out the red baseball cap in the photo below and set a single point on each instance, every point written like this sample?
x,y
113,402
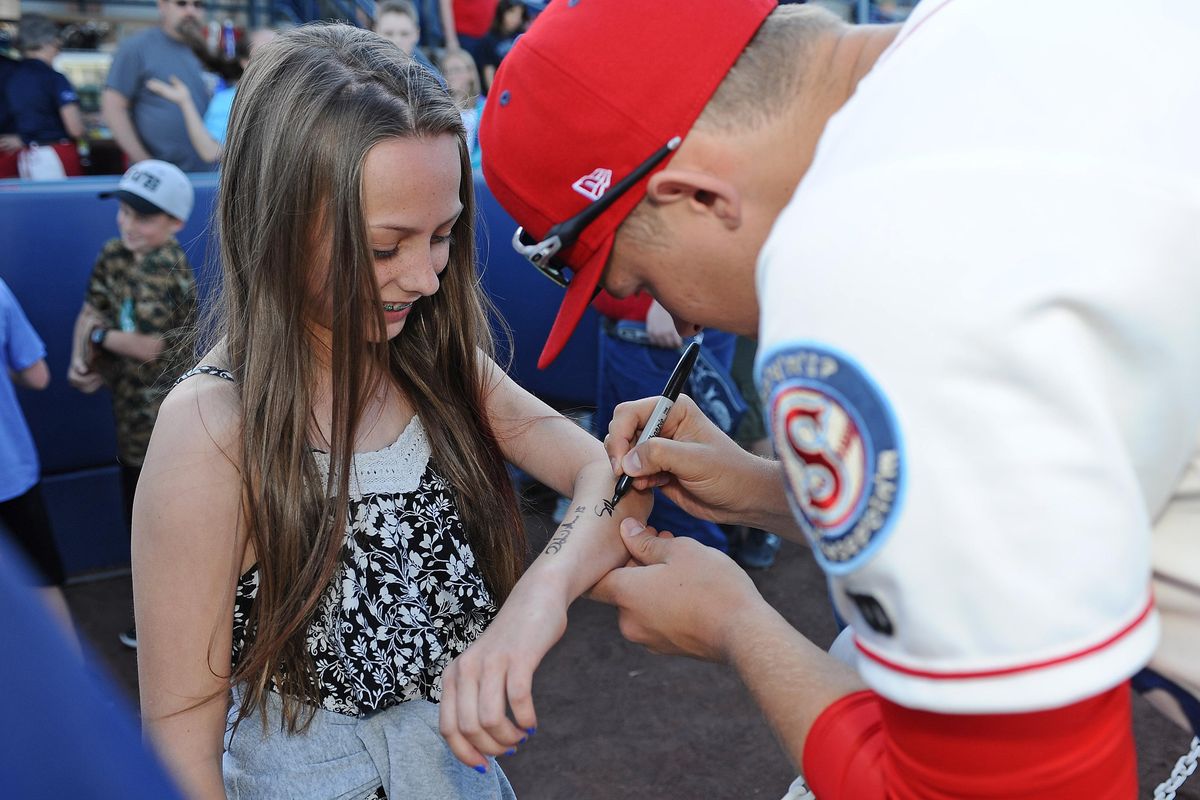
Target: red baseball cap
x,y
594,91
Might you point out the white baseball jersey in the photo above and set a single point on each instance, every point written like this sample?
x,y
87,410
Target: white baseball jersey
x,y
980,344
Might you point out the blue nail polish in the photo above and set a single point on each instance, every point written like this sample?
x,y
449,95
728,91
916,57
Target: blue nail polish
x,y
531,731
524,739
512,751
481,770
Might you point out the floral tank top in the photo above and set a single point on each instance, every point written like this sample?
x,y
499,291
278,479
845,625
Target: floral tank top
x,y
408,595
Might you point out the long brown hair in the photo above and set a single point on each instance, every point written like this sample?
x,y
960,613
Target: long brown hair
x,y
310,106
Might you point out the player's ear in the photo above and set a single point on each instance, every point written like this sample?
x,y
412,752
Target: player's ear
x,y
702,191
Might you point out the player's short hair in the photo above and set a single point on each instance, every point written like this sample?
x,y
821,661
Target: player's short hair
x,y
769,74
762,84
402,7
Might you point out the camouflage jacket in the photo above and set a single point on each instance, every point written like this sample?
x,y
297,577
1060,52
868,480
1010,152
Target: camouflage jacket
x,y
156,297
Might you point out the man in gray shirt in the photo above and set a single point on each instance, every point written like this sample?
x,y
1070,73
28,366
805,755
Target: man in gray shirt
x,y
144,124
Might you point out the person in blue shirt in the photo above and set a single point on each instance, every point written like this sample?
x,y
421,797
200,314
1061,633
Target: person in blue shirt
x,y
43,104
76,736
22,510
207,132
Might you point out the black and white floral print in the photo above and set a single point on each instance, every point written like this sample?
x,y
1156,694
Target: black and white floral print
x,y
408,596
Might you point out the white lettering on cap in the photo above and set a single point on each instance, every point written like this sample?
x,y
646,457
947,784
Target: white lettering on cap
x,y
594,184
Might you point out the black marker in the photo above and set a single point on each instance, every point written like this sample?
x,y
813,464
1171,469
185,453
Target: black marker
x,y
678,377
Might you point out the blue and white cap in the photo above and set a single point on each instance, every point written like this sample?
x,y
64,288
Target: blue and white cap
x,y
156,187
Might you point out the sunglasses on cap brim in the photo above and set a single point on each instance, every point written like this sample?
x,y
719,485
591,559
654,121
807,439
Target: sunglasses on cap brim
x,y
563,235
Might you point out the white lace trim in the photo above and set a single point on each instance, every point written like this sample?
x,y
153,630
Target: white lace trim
x,y
395,469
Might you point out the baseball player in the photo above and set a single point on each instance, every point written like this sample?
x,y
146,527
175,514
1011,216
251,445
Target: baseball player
x,y
977,350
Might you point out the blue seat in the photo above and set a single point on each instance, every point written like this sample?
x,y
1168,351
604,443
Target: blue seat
x,y
52,233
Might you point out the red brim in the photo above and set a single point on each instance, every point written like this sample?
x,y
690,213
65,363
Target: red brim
x,y
579,296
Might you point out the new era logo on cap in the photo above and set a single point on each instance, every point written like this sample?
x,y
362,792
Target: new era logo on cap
x,y
594,184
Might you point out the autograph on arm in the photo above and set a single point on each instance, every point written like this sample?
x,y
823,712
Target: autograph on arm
x,y
566,528
564,531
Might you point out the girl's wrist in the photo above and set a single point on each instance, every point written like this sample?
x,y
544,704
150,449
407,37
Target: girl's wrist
x,y
544,584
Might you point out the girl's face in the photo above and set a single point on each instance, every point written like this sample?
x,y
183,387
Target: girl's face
x,y
400,30
410,196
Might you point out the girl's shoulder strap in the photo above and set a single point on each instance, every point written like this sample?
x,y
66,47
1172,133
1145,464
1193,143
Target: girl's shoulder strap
x,y
205,369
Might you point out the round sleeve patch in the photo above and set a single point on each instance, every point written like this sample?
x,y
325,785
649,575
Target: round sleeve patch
x,y
840,448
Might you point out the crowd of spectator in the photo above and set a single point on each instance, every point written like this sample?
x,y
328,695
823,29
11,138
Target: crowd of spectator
x,y
170,87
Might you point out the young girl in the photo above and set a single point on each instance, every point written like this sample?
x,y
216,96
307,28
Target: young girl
x,y
324,518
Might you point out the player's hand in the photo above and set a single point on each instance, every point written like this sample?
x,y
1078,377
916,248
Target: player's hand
x,y
697,466
10,142
487,692
660,327
681,597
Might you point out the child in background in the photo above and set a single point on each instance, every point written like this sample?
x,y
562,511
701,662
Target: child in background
x,y
138,311
325,518
462,79
397,21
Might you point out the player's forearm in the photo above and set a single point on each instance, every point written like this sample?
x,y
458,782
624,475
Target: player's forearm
x,y
586,546
792,680
765,500
115,110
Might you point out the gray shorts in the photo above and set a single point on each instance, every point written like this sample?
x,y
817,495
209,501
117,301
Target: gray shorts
x,y
347,758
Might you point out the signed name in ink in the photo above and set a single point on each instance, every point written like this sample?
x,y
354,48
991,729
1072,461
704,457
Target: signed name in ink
x,y
605,507
564,530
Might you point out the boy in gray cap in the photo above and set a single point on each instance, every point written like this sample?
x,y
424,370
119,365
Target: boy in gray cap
x,y
138,313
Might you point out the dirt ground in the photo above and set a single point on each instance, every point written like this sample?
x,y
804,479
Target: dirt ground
x,y
616,722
